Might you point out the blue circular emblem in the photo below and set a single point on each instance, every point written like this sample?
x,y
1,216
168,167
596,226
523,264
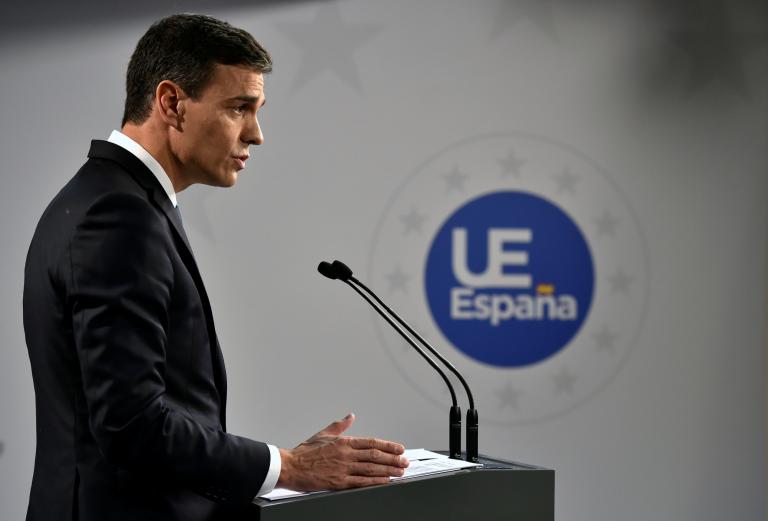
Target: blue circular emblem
x,y
509,279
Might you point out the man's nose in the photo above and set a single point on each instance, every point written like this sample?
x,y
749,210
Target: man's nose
x,y
252,133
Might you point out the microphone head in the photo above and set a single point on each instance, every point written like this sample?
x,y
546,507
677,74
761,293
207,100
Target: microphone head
x,y
327,270
342,270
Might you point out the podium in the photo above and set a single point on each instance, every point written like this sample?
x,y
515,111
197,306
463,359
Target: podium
x,y
498,490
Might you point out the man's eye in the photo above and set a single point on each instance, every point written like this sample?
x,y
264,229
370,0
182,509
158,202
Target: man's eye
x,y
240,110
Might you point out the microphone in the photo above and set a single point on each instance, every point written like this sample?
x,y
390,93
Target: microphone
x,y
339,270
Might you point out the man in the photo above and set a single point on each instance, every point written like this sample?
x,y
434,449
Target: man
x,y
129,378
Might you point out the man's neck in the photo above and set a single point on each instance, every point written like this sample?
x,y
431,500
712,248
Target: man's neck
x,y
157,144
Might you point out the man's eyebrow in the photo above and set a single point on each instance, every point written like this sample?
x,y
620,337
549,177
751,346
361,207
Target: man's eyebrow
x,y
247,99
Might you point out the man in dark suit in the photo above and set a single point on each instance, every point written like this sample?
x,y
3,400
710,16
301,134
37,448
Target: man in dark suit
x,y
129,377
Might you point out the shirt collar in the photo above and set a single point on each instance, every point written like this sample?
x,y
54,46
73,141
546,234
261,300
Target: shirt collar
x,y
121,140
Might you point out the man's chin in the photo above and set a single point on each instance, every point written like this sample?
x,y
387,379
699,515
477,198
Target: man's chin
x,y
230,180
222,181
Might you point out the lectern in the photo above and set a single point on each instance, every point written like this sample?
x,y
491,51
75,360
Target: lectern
x,y
497,490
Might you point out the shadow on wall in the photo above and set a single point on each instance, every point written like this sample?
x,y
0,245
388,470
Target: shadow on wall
x,y
25,18
709,42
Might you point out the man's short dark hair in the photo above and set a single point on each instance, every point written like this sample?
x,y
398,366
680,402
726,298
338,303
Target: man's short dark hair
x,y
184,49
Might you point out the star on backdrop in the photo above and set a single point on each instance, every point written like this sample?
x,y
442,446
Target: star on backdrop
x,y
606,224
605,340
714,50
328,44
566,181
454,180
413,221
564,381
398,280
509,397
538,12
620,282
511,165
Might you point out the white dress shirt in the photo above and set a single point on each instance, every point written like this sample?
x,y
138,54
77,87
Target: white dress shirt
x,y
121,140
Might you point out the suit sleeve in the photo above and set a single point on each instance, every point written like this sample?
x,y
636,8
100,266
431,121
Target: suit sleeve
x,y
121,286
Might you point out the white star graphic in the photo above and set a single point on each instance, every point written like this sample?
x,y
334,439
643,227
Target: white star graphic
x,y
454,180
509,397
510,165
328,44
605,340
413,221
566,181
398,280
606,224
620,282
564,381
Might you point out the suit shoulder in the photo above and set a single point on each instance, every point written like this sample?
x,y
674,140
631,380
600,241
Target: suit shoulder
x,y
100,187
98,177
97,181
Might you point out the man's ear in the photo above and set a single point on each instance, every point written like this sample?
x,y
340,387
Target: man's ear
x,y
169,102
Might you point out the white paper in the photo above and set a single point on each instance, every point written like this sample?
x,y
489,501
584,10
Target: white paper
x,y
421,454
428,462
284,493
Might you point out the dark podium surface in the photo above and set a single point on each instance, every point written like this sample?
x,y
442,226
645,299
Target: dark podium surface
x,y
498,490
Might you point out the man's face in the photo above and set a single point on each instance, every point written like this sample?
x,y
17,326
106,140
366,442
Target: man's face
x,y
217,128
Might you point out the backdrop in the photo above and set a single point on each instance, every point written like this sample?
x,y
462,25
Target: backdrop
x,y
628,138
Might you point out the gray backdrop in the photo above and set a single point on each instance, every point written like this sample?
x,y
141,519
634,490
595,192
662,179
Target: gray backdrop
x,y
647,122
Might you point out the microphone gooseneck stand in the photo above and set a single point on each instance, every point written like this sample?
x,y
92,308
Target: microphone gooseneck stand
x,y
339,270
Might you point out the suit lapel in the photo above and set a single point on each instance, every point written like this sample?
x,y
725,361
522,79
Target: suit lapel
x,y
161,199
156,193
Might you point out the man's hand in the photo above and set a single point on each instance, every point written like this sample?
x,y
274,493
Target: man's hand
x,y
330,461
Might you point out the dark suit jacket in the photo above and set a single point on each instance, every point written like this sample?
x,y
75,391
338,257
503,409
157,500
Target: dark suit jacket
x,y
129,378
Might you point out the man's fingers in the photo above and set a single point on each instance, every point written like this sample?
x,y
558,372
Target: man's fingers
x,y
374,470
375,443
380,457
329,460
338,427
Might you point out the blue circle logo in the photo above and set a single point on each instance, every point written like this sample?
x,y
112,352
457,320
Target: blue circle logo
x,y
509,279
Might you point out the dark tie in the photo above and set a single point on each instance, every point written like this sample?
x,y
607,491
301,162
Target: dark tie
x,y
180,226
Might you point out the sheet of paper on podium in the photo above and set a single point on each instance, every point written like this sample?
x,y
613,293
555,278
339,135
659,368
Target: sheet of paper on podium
x,y
422,462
